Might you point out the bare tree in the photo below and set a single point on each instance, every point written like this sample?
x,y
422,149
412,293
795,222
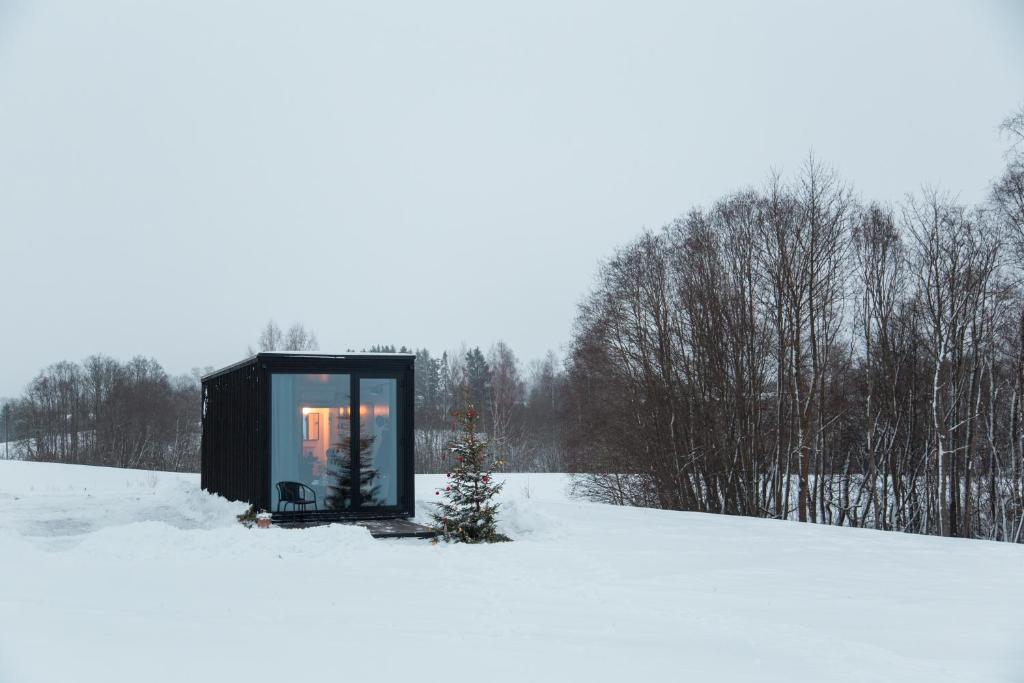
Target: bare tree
x,y
956,259
271,338
1008,191
505,403
881,281
297,338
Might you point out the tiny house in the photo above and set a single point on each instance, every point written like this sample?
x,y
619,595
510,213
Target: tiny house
x,y
312,437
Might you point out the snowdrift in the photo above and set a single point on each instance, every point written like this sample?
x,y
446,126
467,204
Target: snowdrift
x,y
124,575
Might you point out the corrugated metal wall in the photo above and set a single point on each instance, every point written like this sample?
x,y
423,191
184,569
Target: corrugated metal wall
x,y
234,461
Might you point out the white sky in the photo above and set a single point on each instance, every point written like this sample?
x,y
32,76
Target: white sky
x,y
173,174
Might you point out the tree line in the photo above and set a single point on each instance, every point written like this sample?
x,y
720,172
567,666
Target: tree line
x,y
133,414
106,412
793,352
519,411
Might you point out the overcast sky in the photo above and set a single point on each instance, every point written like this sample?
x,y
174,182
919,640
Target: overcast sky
x,y
173,174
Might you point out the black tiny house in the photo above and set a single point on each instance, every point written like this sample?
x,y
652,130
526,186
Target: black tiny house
x,y
312,436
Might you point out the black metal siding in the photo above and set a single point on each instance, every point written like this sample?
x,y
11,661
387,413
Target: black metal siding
x,y
234,460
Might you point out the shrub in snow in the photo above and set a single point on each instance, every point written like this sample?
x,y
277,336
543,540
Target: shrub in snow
x,y
252,516
467,513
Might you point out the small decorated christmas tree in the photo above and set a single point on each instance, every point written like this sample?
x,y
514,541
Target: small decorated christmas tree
x,y
467,513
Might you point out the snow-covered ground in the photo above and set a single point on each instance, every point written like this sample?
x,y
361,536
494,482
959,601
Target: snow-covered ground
x,y
120,575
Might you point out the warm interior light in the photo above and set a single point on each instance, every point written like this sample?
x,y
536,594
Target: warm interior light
x,y
306,410
362,410
383,410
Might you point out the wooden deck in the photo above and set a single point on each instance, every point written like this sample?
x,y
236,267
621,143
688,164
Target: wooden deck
x,y
378,528
395,528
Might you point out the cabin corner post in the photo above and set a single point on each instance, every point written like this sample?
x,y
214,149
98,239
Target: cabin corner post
x,y
409,439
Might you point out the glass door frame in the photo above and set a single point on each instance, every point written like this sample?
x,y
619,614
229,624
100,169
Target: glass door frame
x,y
398,367
358,508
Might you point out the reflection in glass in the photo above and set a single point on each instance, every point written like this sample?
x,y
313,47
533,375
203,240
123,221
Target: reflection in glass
x,y
378,446
339,493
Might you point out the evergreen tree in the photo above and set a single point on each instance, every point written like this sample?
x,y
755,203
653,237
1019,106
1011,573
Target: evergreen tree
x,y
428,383
478,384
387,348
339,493
468,514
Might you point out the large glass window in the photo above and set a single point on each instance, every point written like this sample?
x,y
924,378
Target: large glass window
x,y
378,442
311,442
311,454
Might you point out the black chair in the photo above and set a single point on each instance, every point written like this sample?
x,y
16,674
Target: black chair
x,y
294,493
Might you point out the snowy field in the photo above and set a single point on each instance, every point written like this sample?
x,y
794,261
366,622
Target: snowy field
x,y
119,575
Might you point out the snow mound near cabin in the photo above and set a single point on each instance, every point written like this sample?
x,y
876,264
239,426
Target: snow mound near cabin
x,y
58,512
119,575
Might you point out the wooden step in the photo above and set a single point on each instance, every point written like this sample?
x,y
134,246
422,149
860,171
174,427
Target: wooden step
x,y
378,528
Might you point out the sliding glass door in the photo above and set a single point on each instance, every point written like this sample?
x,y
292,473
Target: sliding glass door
x,y
311,436
334,442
